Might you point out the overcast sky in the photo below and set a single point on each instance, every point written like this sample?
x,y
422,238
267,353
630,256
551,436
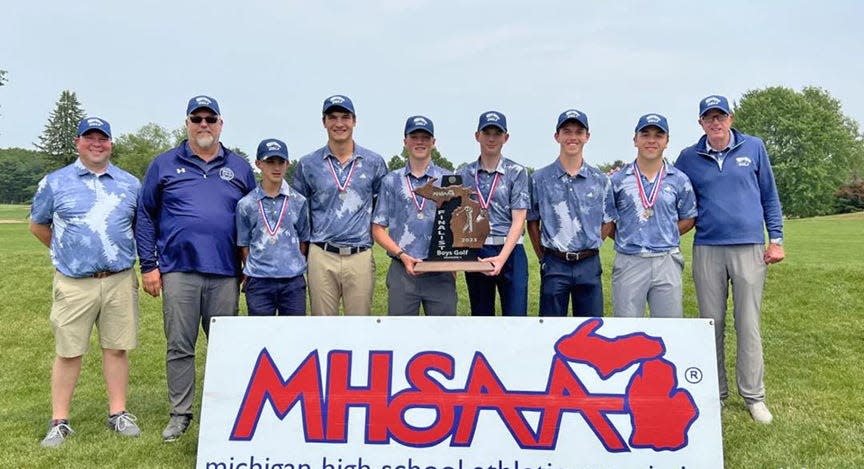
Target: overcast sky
x,y
270,64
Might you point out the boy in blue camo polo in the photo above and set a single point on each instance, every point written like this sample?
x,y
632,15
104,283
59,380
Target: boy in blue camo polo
x,y
273,236
656,205
572,203
403,223
84,214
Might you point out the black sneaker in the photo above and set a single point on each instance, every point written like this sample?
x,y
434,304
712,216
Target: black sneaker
x,y
58,430
177,426
124,424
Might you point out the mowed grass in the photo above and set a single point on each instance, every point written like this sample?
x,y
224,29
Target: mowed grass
x,y
812,326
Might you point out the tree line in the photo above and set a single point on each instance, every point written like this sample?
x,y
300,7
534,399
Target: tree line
x,y
817,152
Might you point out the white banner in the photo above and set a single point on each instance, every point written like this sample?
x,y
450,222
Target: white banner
x,y
460,393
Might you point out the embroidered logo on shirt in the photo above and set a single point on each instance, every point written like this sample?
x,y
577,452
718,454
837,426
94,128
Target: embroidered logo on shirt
x,y
181,170
743,161
226,174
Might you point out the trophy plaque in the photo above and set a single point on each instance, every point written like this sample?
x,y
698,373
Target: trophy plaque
x,y
460,229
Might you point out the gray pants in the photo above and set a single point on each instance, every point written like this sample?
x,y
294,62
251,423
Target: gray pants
x,y
654,280
436,291
190,299
714,267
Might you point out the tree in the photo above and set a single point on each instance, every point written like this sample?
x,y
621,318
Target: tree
x,y
813,146
20,172
134,152
610,168
398,161
57,140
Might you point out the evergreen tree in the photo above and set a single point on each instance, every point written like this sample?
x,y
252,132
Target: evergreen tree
x,y
57,140
398,161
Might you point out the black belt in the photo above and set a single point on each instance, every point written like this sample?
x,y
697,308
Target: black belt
x,y
341,250
572,256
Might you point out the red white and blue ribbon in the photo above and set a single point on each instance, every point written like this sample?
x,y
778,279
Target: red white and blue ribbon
x,y
649,200
485,202
342,186
420,204
272,230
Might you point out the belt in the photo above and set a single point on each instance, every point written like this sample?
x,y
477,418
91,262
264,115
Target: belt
x,y
658,254
499,241
341,250
572,256
106,273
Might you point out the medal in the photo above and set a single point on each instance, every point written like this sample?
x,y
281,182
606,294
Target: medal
x,y
420,204
272,230
486,202
342,185
648,201
342,195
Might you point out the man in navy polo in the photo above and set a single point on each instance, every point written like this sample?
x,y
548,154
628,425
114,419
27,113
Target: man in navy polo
x,y
187,244
403,223
572,212
341,181
656,205
738,201
84,214
502,189
273,235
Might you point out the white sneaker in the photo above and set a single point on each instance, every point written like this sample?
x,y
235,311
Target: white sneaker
x,y
760,413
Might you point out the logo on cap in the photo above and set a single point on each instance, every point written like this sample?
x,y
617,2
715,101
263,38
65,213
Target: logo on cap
x,y
420,121
202,101
273,146
93,122
712,100
337,100
653,118
492,117
572,114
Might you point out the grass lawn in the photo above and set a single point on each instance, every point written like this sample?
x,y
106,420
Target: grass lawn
x,y
812,327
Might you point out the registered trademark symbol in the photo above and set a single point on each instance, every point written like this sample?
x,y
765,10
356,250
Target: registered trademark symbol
x,y
693,375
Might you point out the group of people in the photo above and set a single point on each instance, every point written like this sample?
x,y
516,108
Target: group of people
x,y
205,230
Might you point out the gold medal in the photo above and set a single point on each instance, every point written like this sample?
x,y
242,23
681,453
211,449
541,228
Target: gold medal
x,y
419,215
342,195
648,213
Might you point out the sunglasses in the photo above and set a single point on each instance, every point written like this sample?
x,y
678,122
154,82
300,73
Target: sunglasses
x,y
209,119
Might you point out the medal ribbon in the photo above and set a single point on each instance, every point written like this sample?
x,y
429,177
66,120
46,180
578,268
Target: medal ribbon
x,y
488,200
419,205
271,230
342,186
651,199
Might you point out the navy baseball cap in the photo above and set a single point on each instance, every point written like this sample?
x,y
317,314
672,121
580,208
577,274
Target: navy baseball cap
x,y
415,123
714,102
94,123
271,147
656,120
336,102
202,102
492,118
572,115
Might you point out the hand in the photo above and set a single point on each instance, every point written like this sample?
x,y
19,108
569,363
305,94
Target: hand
x,y
497,264
409,263
774,254
152,282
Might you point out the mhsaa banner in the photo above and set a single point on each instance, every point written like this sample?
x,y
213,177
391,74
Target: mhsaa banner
x,y
460,393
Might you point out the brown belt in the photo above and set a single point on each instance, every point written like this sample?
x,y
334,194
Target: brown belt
x,y
106,273
572,256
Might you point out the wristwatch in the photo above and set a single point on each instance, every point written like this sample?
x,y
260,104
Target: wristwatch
x,y
777,241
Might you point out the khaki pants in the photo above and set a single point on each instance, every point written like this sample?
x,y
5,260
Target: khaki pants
x,y
332,277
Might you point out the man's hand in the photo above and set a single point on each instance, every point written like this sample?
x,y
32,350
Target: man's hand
x,y
774,254
409,263
152,282
497,264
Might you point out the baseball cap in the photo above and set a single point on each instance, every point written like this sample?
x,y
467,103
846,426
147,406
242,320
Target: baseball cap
x,y
271,147
492,118
338,101
423,123
656,120
572,115
94,123
714,102
202,102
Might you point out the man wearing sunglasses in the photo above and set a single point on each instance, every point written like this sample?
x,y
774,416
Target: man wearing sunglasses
x,y
737,201
187,244
341,182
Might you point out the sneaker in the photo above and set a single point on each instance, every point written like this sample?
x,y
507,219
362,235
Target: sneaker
x,y
760,413
124,424
58,430
177,426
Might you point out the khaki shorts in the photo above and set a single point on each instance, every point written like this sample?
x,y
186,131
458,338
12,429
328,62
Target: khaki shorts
x,y
111,303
